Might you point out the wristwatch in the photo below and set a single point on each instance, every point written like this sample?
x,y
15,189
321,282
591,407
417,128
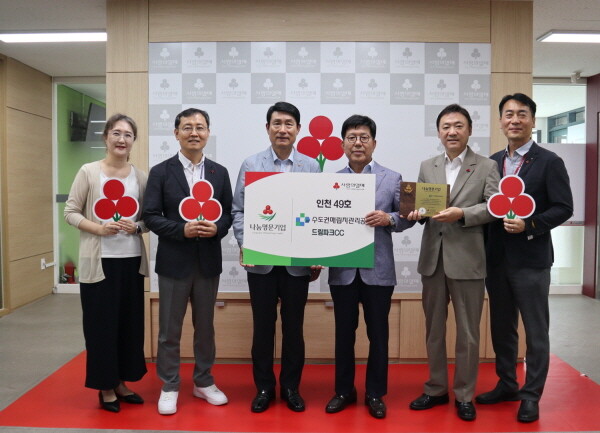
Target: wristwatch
x,y
138,229
392,221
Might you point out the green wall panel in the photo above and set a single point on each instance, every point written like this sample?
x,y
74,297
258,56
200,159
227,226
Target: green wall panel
x,y
71,155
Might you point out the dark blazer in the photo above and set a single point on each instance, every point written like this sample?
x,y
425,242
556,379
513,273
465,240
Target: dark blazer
x,y
547,181
177,255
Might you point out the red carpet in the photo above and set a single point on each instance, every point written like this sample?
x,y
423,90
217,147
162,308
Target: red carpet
x,y
61,401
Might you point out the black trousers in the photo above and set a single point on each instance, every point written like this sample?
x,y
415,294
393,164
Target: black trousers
x,y
376,301
524,290
265,292
113,324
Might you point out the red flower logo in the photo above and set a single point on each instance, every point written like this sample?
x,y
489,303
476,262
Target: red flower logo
x,y
115,204
321,145
200,205
267,213
511,202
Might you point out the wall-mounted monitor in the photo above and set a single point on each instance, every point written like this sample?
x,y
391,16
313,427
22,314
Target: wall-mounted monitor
x,y
88,129
95,123
77,126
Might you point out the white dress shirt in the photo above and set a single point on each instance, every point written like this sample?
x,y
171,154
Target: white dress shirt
x,y
453,167
193,172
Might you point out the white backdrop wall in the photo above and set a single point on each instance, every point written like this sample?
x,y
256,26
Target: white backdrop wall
x,y
402,86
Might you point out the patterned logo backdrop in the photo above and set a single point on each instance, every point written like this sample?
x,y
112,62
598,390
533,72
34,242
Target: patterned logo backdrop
x,y
401,85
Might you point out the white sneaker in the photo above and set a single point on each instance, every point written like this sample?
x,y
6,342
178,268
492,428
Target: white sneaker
x,y
211,394
167,403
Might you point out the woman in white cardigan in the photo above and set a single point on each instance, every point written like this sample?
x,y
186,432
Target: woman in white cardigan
x,y
112,266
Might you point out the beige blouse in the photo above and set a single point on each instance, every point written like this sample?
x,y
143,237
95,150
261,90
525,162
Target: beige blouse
x,y
86,189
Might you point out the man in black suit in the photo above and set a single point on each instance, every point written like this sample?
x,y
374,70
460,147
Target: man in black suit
x,y
188,259
519,258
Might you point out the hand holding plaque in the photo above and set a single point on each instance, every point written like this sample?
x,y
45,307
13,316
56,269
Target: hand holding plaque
x,y
427,198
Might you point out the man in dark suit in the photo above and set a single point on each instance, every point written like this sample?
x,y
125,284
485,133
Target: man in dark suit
x,y
268,284
452,261
519,258
188,259
371,287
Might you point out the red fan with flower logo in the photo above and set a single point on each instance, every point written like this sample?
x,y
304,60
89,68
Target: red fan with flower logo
x,y
201,206
115,204
511,201
321,145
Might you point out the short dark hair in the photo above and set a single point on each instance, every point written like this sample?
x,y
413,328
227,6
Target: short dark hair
x,y
284,107
357,120
519,97
190,112
453,108
112,120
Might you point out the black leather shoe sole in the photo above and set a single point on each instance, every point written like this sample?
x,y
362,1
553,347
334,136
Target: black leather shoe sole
x,y
111,406
130,398
261,401
528,411
294,400
376,407
339,402
465,411
428,401
526,419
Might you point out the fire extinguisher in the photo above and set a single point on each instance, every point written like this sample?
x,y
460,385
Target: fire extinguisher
x,y
70,272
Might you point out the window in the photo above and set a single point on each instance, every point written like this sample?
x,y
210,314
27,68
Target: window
x,y
558,126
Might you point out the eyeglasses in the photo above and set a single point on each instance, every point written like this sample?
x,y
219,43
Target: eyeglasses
x,y
199,129
127,136
364,139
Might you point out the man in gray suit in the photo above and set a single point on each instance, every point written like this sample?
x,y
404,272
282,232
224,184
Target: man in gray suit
x,y
452,260
268,284
371,287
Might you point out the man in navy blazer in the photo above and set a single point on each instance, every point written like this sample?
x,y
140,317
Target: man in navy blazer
x,y
188,259
268,284
371,287
519,258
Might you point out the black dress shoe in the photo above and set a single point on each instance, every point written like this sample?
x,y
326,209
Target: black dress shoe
x,y
465,410
132,398
427,401
111,406
376,407
339,402
529,411
497,395
262,400
294,400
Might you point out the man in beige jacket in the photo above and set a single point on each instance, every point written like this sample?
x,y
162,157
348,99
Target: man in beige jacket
x,y
452,260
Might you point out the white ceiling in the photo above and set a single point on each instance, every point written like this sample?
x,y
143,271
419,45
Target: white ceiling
x,y
89,59
80,59
561,59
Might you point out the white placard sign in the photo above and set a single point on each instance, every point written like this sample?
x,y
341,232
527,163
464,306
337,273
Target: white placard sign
x,y
302,219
